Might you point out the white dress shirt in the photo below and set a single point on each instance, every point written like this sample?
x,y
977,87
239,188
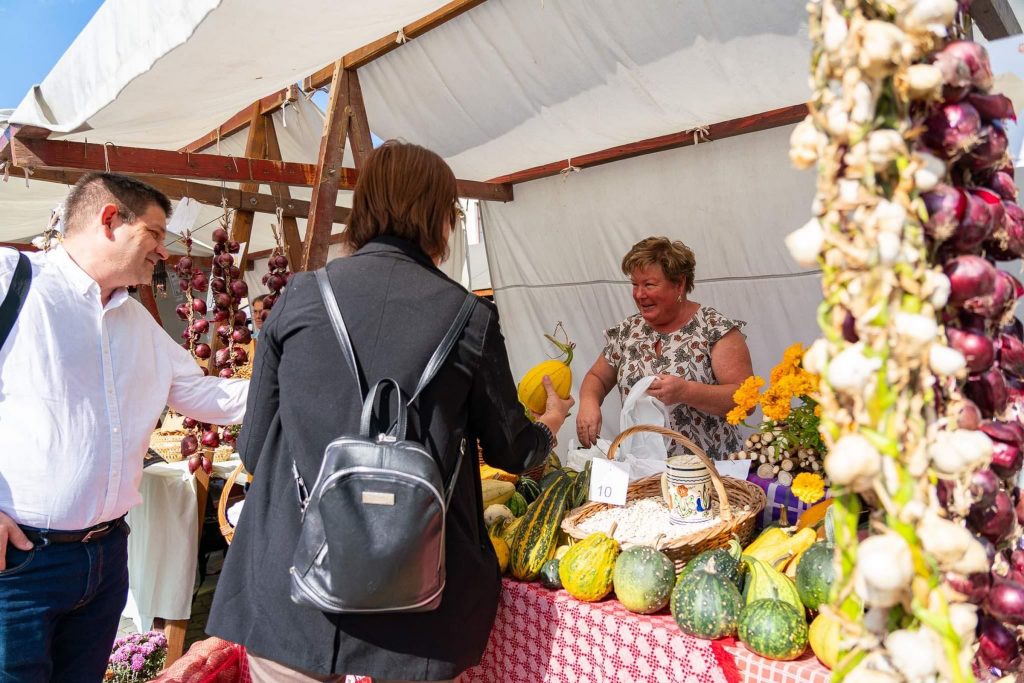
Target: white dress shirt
x,y
82,386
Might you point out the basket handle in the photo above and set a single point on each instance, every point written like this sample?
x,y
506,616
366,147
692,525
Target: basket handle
x,y
222,504
724,509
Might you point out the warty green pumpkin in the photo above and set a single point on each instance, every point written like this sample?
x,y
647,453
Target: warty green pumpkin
x,y
586,569
643,579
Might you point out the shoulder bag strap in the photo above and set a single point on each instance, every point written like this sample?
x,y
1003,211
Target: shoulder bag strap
x,y
15,299
338,323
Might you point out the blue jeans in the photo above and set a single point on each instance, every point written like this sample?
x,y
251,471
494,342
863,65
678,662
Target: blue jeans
x,y
60,605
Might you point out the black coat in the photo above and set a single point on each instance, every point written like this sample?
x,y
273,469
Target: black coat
x,y
397,307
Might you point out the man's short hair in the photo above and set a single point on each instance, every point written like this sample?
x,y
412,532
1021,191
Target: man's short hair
x,y
94,190
258,299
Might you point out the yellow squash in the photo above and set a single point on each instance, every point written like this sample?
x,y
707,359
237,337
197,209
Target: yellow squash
x,y
531,388
501,550
776,546
824,637
496,492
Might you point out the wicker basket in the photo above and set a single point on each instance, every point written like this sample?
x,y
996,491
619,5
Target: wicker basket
x,y
739,502
169,448
226,530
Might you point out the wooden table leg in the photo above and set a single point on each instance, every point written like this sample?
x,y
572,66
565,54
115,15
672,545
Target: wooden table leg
x,y
175,629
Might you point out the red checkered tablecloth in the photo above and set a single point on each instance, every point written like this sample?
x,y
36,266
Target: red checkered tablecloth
x,y
543,636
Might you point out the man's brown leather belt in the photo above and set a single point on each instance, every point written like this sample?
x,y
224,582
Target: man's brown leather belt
x,y
94,533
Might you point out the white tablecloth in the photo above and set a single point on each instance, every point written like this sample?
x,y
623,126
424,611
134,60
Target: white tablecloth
x,y
163,545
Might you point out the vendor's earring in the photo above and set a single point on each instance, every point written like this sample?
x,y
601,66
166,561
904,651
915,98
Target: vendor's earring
x,y
679,298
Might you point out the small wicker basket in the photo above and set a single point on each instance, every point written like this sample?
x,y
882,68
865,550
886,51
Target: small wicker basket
x,y
740,503
226,530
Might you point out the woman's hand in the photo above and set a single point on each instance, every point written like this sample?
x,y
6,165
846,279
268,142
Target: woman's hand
x,y
668,389
588,423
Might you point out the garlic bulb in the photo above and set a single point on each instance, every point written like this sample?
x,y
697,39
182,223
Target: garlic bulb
x,y
885,567
930,172
928,16
890,247
815,357
946,361
805,144
881,47
889,217
804,244
956,452
851,370
834,28
924,81
852,462
913,653
937,288
885,145
916,328
947,541
964,618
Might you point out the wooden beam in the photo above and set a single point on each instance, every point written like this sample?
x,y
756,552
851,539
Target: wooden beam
x,y
995,18
358,126
289,224
267,105
19,246
380,47
331,158
255,147
202,193
747,124
62,155
336,238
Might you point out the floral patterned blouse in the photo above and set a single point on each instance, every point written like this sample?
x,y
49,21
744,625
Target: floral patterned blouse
x,y
630,350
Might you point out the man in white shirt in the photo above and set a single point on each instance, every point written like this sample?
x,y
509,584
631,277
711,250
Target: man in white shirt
x,y
84,377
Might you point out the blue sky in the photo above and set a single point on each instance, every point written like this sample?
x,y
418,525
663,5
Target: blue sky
x,y
35,33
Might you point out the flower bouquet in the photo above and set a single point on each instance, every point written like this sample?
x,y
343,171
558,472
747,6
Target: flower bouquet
x,y
787,443
137,657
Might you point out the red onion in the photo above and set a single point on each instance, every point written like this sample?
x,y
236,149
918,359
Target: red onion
x,y
989,391
1011,355
994,305
968,417
1010,432
182,311
992,107
234,272
984,487
969,277
226,373
275,283
240,355
220,235
201,326
946,205
222,300
225,260
199,306
206,464
953,130
1007,240
221,315
189,445
974,587
238,288
280,262
223,331
1002,184
997,645
199,282
184,265
974,57
240,318
218,285
1017,561
1005,601
184,284
194,464
202,351
269,301
1018,510
219,248
221,357
984,212
976,348
241,335
995,521
211,439
990,152
234,247
1006,459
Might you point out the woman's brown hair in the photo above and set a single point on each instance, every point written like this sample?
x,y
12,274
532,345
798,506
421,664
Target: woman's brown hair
x,y
675,259
406,191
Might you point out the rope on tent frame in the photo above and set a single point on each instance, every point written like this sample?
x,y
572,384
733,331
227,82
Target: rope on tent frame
x,y
28,171
5,169
568,169
106,159
699,133
284,113
401,38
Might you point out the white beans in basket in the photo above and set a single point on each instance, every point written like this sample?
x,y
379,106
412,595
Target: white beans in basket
x,y
641,521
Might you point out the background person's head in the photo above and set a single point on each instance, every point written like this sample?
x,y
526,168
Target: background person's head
x,y
114,228
406,191
255,311
661,271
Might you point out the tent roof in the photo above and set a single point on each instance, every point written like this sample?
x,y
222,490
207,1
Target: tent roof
x,y
508,85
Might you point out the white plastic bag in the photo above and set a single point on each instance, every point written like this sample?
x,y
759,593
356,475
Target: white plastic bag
x,y
639,408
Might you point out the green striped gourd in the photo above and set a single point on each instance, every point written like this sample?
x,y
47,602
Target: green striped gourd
x,y
706,604
536,534
766,582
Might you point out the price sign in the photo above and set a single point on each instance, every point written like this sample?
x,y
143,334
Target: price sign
x,y
608,481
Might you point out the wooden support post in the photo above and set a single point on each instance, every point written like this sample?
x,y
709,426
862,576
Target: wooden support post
x,y
995,18
325,185
290,226
149,301
174,630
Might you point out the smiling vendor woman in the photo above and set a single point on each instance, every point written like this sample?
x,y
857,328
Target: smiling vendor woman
x,y
699,356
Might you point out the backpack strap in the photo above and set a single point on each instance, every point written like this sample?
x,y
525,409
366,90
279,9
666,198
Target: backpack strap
x,y
338,324
15,299
446,345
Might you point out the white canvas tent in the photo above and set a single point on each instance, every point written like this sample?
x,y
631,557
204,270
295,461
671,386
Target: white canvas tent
x,y
507,85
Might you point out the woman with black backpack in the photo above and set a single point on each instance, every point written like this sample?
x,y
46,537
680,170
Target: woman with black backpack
x,y
397,309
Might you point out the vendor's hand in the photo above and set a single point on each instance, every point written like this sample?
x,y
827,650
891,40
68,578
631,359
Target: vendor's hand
x,y
11,533
588,423
668,389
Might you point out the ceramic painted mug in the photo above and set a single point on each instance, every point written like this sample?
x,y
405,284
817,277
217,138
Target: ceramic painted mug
x,y
686,488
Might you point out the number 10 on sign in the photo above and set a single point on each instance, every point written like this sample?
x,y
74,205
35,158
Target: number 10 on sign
x,y
608,481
